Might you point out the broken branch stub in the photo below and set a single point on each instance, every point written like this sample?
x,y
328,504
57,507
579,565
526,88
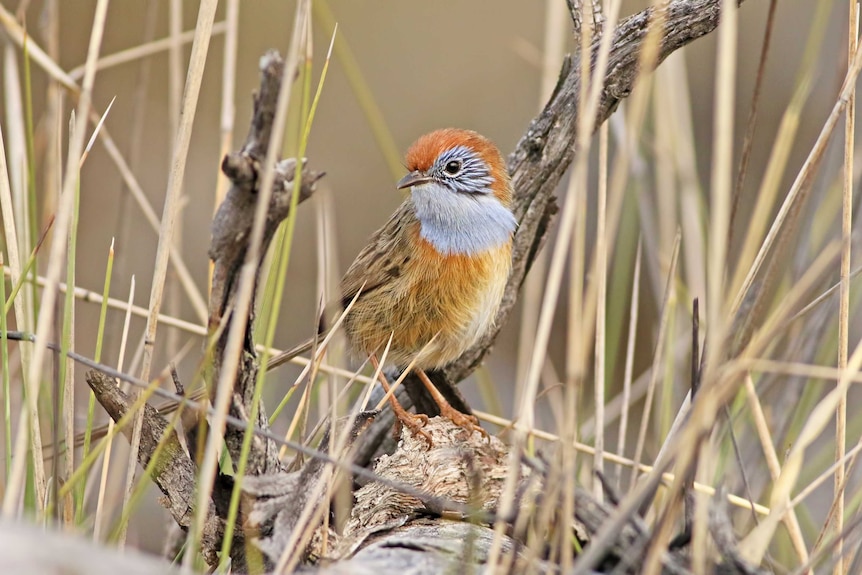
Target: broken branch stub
x,y
231,232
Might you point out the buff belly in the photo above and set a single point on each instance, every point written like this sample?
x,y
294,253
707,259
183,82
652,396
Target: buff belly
x,y
434,311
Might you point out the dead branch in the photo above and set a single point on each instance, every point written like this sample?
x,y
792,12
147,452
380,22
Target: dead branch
x,y
230,233
174,471
545,152
547,148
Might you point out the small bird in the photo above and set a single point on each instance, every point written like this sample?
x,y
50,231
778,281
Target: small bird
x,y
432,278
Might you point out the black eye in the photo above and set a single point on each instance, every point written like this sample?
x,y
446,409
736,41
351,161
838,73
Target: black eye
x,y
453,167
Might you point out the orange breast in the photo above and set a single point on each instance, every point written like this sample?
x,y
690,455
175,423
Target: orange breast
x,y
436,307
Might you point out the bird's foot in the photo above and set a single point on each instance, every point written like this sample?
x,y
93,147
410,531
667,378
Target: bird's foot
x,y
414,422
467,422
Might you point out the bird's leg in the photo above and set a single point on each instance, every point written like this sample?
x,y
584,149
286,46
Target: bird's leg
x,y
413,422
468,422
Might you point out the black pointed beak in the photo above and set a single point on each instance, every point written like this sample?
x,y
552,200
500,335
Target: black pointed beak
x,y
415,178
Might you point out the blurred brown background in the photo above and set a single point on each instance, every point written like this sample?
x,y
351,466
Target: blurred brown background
x,y
428,65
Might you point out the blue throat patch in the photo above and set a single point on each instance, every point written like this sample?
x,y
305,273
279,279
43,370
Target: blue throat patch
x,y
461,223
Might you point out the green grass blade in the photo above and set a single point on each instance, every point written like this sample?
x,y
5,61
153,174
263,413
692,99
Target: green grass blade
x,y
284,259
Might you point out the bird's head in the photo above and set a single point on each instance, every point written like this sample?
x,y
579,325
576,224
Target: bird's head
x,y
460,189
460,161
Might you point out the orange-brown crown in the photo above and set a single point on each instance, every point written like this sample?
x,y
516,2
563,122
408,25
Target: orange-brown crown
x,y
425,151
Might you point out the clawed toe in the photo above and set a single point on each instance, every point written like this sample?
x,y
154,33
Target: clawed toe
x,y
467,422
415,423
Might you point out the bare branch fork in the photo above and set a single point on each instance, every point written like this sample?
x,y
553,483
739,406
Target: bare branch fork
x,y
230,234
536,165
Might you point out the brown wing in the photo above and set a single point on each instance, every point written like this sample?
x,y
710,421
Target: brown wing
x,y
375,265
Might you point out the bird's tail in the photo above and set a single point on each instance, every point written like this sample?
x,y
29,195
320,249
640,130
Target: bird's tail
x,y
296,350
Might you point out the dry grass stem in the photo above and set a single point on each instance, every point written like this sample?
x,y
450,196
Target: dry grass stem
x,y
58,246
780,151
106,461
721,186
658,216
761,427
626,396
803,179
147,49
228,104
17,34
843,563
657,357
601,308
224,386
